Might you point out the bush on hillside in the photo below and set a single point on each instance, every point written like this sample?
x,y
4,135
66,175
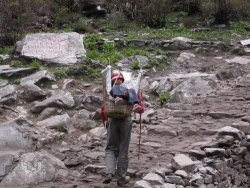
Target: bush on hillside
x,y
17,18
152,13
224,11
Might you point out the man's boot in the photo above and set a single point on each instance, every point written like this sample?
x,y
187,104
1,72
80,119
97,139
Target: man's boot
x,y
108,178
123,181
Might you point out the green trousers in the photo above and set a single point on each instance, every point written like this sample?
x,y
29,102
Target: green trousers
x,y
119,133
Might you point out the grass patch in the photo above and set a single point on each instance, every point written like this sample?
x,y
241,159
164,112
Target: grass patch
x,y
108,53
59,72
16,63
165,97
136,65
7,50
36,64
61,128
178,24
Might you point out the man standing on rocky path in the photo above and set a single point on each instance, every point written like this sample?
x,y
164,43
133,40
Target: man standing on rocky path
x,y
118,139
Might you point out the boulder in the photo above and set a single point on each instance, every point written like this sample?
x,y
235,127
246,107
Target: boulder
x,y
56,48
34,168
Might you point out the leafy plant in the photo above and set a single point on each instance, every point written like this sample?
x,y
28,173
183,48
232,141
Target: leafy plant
x,y
61,128
36,64
136,65
16,63
1,60
7,50
81,26
91,71
60,72
165,97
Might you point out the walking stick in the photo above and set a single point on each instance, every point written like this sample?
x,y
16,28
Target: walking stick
x,y
139,146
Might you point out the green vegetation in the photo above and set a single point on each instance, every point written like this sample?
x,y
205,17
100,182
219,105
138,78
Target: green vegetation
x,y
36,64
7,50
16,63
236,31
136,65
59,72
165,97
108,52
91,71
61,128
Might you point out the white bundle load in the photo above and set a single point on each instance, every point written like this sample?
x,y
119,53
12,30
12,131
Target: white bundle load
x,y
118,110
130,81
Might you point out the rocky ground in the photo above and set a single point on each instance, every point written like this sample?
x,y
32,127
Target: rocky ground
x,y
216,95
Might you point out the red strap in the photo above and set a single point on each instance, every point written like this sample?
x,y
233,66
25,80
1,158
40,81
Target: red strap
x,y
103,115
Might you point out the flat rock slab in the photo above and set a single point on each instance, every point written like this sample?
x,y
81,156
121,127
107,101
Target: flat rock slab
x,y
11,137
9,72
57,48
239,60
34,168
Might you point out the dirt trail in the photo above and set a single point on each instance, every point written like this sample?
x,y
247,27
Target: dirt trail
x,y
195,123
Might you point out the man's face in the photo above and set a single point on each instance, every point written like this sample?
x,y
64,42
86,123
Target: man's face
x,y
118,81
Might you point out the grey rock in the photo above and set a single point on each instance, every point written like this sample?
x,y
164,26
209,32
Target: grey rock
x,y
185,92
161,130
242,126
11,135
8,94
239,60
174,179
184,57
58,99
34,168
154,179
215,152
142,184
55,122
38,77
164,86
6,162
59,48
31,92
47,112
16,71
198,154
95,169
3,83
182,162
126,64
181,173
236,133
230,72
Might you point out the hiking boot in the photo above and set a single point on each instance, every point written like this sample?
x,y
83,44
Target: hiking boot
x,y
108,178
123,181
137,108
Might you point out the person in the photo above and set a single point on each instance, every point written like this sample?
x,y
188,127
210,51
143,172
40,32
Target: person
x,y
122,94
119,133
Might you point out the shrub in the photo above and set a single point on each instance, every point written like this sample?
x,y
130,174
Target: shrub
x,y
152,13
165,97
147,12
81,26
60,73
9,39
16,63
35,64
61,128
223,11
136,65
7,50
